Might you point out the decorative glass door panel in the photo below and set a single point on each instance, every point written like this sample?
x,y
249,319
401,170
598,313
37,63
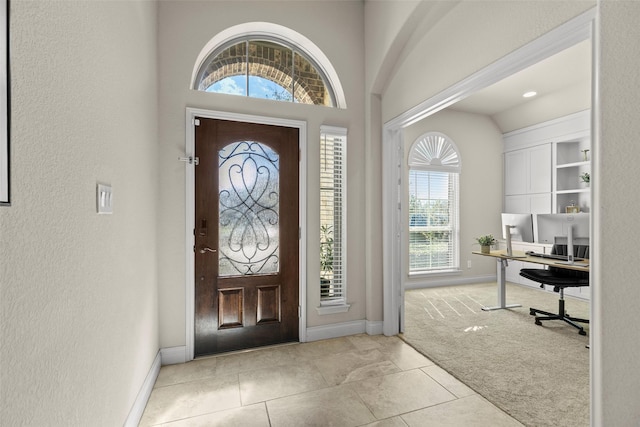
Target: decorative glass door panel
x,y
248,240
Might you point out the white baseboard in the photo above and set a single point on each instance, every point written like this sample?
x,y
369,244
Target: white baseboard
x,y
336,330
375,327
450,282
173,355
135,415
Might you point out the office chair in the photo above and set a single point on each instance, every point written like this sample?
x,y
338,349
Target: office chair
x,y
560,278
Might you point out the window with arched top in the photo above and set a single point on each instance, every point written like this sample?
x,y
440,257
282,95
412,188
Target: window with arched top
x,y
269,61
434,170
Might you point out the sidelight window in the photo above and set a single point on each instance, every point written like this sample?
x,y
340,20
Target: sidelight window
x,y
333,165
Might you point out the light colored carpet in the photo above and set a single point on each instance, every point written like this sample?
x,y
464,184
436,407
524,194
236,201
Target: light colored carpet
x,y
537,374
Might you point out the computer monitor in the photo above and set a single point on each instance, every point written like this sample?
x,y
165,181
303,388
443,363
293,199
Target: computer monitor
x,y
521,227
549,226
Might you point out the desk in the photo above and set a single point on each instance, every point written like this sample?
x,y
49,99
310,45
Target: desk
x,y
502,259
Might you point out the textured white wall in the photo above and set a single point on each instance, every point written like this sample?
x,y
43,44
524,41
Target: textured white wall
x,y
79,328
184,29
616,363
479,142
469,37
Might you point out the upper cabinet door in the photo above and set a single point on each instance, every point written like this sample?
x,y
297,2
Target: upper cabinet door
x,y
539,177
515,173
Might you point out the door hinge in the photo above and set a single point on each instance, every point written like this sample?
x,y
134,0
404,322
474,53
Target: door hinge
x,y
196,122
299,312
191,160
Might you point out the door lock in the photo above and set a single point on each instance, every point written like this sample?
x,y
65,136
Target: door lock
x,y
205,249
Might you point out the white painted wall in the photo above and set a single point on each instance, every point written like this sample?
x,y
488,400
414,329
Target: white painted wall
x,y
479,142
616,363
184,29
79,321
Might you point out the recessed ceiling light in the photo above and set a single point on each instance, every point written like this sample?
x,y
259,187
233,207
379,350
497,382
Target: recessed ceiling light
x,y
529,94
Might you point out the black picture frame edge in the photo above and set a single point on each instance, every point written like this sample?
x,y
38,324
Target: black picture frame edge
x,y
7,147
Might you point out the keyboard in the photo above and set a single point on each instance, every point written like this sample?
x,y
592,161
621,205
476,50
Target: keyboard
x,y
552,256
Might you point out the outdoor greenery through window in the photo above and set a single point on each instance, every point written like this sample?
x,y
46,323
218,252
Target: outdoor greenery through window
x,y
268,69
433,205
333,150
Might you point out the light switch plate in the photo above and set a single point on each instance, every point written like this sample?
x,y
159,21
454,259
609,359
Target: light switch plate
x,y
104,199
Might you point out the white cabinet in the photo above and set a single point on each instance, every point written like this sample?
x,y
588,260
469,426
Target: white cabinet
x,y
528,203
527,180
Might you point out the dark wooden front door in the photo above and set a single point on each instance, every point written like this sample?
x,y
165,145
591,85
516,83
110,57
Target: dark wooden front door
x,y
246,236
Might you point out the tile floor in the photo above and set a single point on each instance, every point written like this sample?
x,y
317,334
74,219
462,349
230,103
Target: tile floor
x,y
359,380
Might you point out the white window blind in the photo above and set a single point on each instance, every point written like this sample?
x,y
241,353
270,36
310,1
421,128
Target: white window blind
x,y
333,162
434,169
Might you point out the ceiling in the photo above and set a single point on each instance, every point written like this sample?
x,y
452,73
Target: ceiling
x,y
552,76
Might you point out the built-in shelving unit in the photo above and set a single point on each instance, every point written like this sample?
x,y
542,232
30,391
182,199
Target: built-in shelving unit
x,y
570,163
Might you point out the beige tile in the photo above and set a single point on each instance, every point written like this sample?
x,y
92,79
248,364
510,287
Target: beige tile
x,y
363,342
389,422
471,411
272,383
185,372
403,355
175,402
256,359
253,415
396,394
335,406
448,381
315,349
354,366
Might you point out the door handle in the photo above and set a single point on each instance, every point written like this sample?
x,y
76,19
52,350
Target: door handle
x,y
205,249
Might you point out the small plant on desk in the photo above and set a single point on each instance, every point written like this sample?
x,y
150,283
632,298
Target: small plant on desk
x,y
486,242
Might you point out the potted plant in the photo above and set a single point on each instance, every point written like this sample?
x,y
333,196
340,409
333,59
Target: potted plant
x,y
486,242
586,178
326,258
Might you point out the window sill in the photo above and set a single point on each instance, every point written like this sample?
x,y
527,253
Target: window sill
x,y
451,272
333,309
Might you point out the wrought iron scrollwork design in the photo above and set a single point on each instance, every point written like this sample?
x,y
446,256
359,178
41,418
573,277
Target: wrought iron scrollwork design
x,y
248,209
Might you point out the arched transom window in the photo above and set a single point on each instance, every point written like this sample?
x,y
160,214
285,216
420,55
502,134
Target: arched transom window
x,y
262,60
434,169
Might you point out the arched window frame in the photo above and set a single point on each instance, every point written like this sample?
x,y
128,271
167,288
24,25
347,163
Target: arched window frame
x,y
434,157
277,34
